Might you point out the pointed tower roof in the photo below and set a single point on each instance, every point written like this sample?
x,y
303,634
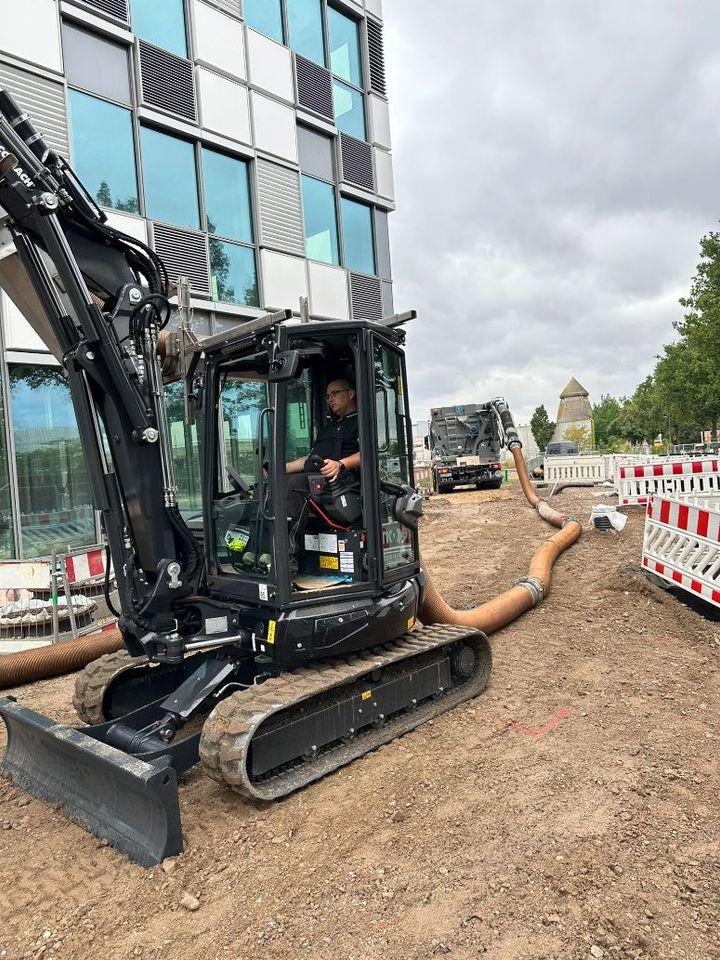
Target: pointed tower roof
x,y
573,389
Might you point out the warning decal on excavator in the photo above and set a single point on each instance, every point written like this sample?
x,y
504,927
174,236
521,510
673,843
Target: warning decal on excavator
x,y
329,563
411,623
271,632
366,694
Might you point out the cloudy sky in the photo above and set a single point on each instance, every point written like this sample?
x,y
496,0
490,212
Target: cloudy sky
x,y
556,163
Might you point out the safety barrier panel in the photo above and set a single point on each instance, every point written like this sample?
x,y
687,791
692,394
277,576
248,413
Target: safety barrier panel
x,y
682,544
584,468
33,610
674,477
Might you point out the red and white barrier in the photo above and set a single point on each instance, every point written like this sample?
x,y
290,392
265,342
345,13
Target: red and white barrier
x,y
682,477
80,567
682,544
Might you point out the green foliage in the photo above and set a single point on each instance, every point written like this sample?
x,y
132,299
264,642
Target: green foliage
x,y
579,435
542,427
607,419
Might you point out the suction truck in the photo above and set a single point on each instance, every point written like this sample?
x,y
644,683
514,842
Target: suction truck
x,y
466,441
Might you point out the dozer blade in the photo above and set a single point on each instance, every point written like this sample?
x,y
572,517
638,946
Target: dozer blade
x,y
119,798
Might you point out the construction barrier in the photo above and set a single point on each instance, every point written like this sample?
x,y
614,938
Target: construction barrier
x,y
584,468
45,600
591,467
682,544
674,477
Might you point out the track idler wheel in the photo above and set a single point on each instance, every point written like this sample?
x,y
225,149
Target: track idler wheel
x,y
93,681
462,661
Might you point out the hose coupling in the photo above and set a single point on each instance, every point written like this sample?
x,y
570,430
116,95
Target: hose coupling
x,y
569,519
534,586
513,444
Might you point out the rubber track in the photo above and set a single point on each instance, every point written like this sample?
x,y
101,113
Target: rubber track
x,y
228,731
92,683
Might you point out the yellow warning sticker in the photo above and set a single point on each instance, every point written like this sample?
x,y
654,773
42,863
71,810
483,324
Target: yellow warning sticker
x,y
329,563
271,632
411,623
366,694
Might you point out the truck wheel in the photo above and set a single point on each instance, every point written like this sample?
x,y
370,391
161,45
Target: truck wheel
x,y
495,485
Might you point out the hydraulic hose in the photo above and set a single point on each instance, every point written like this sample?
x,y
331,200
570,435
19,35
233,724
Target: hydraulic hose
x,y
528,591
51,661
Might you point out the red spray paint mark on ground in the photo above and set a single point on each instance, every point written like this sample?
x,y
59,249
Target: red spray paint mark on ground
x,y
539,731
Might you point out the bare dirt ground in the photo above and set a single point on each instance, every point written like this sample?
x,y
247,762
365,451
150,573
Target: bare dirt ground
x,y
571,811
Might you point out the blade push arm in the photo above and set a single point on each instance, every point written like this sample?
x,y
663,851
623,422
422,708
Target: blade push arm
x,y
98,298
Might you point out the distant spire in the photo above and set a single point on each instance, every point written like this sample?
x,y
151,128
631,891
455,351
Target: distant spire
x,y
573,389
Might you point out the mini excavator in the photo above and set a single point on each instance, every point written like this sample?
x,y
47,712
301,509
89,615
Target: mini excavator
x,y
270,677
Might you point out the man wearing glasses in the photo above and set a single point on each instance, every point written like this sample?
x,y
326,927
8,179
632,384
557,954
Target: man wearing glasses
x,y
337,443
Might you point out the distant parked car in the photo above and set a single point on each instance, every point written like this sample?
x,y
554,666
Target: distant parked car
x,y
561,448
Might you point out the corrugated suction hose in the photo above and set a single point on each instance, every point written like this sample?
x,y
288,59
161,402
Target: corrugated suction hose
x,y
527,591
43,662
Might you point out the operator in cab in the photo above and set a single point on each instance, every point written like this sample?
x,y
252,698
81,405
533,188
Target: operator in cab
x,y
338,445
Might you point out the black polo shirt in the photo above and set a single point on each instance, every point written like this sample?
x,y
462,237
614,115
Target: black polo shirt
x,y
338,438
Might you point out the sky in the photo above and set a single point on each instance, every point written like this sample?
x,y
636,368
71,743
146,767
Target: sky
x,y
556,164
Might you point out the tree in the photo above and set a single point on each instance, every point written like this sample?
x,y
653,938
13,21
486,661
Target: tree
x,y
541,427
582,436
607,417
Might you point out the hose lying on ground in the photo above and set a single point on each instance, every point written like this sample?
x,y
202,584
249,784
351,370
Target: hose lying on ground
x,y
528,591
51,661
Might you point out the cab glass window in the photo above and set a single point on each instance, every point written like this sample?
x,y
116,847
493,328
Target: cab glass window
x,y
299,417
243,536
393,453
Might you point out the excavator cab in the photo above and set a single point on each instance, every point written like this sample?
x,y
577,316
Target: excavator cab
x,y
266,394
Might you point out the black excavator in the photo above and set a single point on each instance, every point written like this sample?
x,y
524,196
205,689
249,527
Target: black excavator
x,y
270,675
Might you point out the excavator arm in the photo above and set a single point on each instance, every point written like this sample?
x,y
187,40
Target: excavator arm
x,y
99,299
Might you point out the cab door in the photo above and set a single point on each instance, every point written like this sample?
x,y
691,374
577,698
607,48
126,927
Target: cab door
x,y
398,544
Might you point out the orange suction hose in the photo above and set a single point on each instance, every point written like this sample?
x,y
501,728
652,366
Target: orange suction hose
x,y
527,591
51,661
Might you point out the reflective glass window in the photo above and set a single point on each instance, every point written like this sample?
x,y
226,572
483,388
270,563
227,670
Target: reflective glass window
x,y
103,151
161,22
227,196
321,237
265,16
306,29
344,47
358,236
56,509
170,179
233,274
185,452
349,110
7,546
